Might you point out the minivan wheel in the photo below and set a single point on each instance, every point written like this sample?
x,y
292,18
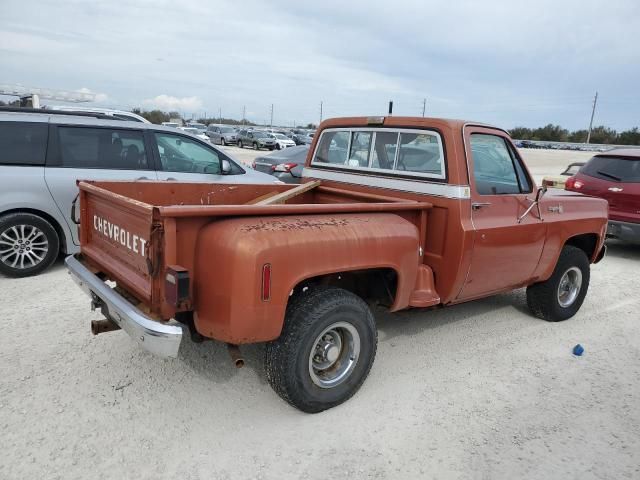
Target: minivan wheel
x,y
325,351
240,143
255,146
28,244
223,142
561,296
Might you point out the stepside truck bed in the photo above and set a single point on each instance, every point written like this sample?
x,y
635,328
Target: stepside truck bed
x,y
134,233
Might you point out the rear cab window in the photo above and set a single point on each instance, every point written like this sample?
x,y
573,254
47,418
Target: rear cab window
x,y
613,168
23,143
398,152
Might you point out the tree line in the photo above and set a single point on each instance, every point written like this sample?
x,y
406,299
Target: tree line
x,y
600,134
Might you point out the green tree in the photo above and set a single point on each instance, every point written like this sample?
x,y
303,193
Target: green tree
x,y
521,133
629,137
579,136
602,134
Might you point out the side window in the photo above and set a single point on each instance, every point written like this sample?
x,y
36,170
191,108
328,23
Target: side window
x,y
181,154
105,148
23,143
496,171
333,148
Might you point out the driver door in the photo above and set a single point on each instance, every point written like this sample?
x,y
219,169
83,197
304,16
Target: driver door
x,y
184,159
505,252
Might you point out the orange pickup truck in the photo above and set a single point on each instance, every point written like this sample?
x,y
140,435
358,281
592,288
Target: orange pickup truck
x,y
394,211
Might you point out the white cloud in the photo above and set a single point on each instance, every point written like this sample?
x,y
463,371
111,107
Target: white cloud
x,y
169,103
98,97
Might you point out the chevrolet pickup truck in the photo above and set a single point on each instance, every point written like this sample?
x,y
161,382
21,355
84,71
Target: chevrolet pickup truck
x,y
395,212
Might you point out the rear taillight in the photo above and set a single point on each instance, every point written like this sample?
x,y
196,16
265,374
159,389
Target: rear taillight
x,y
573,184
176,285
266,282
284,167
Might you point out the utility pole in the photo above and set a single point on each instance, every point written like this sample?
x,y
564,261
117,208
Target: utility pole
x,y
391,107
593,111
320,112
424,106
244,113
271,122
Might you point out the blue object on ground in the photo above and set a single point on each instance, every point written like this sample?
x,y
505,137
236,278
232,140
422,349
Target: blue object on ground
x,y
578,350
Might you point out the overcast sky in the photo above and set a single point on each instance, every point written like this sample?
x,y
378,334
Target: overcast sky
x,y
509,63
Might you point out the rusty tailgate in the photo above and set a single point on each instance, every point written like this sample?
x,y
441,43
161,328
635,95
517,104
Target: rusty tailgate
x,y
119,238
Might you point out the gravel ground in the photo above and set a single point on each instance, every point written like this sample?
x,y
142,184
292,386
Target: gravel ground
x,y
480,390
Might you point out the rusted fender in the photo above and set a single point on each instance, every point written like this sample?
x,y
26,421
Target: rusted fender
x,y
231,255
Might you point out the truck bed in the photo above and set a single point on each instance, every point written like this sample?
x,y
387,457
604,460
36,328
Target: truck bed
x,y
131,232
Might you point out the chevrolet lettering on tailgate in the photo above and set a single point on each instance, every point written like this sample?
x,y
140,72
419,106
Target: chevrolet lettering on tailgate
x,y
131,241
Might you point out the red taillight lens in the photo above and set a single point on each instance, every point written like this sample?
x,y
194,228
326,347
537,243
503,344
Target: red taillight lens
x,y
266,282
573,184
284,167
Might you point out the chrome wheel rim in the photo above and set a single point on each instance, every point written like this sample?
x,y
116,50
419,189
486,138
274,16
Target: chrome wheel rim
x,y
569,287
334,355
23,246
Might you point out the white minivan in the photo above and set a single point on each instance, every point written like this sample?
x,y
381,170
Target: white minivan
x,y
43,153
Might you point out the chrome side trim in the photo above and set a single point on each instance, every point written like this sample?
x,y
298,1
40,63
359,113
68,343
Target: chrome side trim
x,y
461,192
161,339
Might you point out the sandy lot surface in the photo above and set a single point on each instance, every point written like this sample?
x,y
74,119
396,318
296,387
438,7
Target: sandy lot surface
x,y
481,390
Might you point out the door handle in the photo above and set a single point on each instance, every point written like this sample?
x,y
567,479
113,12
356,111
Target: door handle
x,y
479,205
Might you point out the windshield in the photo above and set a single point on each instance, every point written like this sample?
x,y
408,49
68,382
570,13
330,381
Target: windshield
x,y
226,130
191,130
617,169
260,135
198,126
279,136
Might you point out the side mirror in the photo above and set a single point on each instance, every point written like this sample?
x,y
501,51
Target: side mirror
x,y
536,203
541,191
225,167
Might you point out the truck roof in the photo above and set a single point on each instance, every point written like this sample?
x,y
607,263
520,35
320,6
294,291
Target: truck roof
x,y
394,121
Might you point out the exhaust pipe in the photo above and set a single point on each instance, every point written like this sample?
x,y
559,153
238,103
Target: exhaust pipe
x,y
236,356
103,326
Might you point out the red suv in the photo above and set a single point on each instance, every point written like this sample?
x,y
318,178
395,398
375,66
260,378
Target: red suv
x,y
614,176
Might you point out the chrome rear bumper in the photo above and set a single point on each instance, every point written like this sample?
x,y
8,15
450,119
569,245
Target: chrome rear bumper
x,y
162,339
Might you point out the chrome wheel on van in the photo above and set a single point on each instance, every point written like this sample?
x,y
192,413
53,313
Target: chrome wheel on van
x,y
23,246
29,244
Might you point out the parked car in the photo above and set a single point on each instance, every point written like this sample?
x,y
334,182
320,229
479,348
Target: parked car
x,y
558,181
43,154
615,176
302,138
116,114
196,132
199,126
282,141
395,224
286,165
222,135
255,139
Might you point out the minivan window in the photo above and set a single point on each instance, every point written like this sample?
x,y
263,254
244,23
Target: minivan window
x,y
616,169
23,143
105,148
181,154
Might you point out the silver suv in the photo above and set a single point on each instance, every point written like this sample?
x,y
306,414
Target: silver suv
x,y
221,134
256,139
43,153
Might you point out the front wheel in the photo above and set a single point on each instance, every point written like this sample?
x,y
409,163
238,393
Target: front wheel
x,y
255,146
240,143
28,244
561,296
223,142
325,352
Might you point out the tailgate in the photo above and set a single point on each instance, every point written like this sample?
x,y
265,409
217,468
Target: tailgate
x,y
117,235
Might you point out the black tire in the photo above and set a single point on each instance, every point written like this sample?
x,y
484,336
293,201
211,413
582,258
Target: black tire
x,y
11,228
255,146
240,143
278,146
287,359
543,298
223,142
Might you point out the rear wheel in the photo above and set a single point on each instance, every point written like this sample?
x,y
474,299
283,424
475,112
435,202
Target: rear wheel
x,y
561,296
255,146
240,143
325,352
28,244
223,142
